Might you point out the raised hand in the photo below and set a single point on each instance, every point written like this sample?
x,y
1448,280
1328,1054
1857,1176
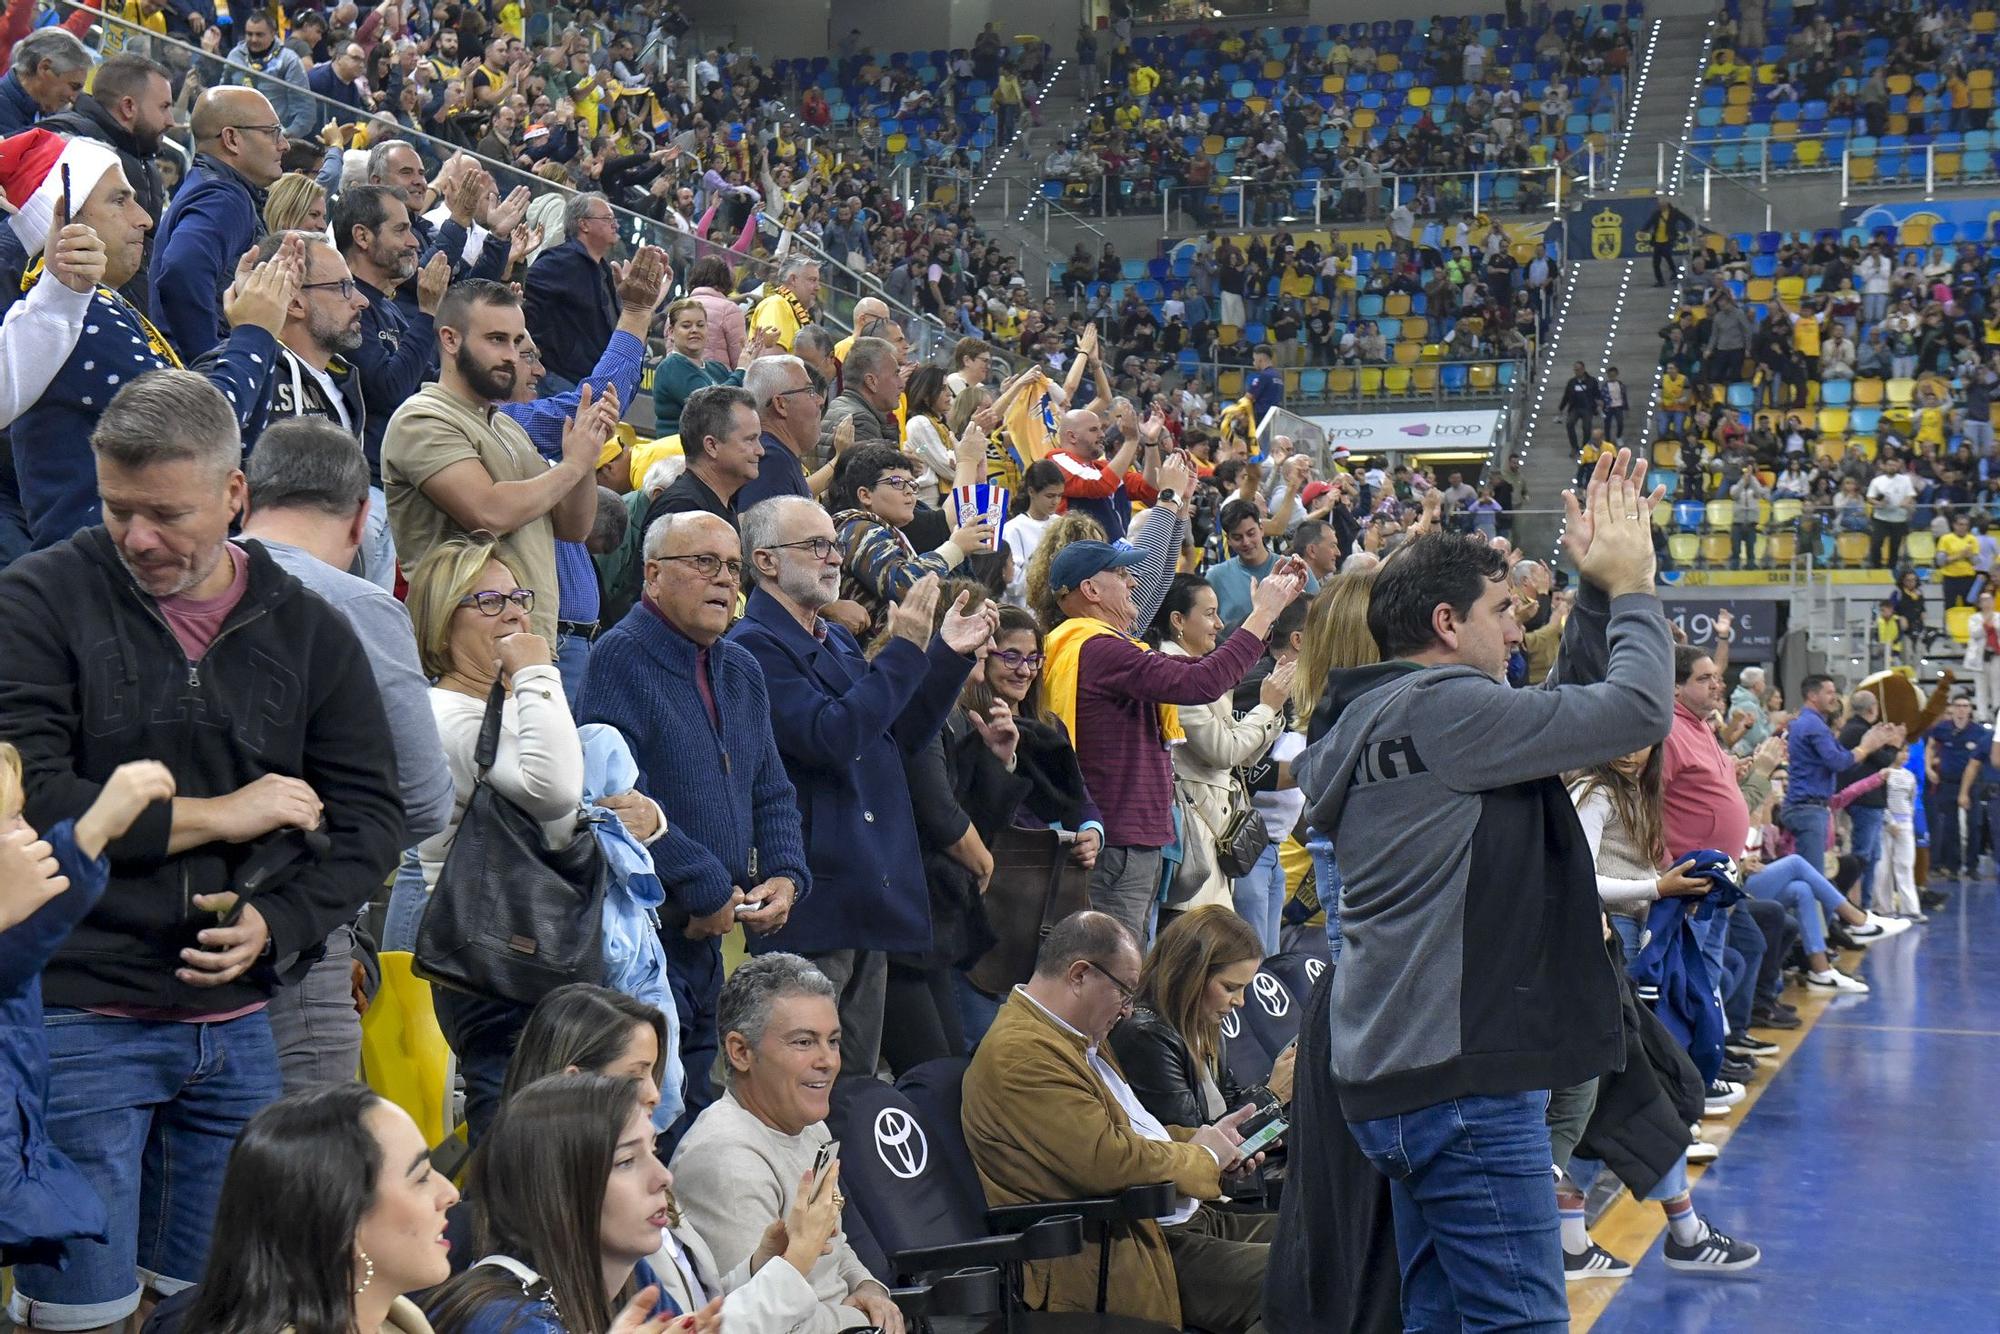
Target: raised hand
x,y
998,730
262,298
965,632
1618,552
643,283
77,258
911,618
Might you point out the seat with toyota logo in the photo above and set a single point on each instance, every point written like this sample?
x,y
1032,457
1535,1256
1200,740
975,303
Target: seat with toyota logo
x,y
1270,1011
906,1170
1299,970
1249,1064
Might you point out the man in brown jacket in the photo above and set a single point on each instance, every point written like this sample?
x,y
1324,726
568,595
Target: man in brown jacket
x,y
1048,1116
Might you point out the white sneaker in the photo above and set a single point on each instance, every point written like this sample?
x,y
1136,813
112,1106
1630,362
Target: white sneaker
x,y
1701,1151
1891,926
1835,980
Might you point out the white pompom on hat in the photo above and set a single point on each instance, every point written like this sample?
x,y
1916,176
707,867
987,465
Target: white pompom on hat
x,y
31,164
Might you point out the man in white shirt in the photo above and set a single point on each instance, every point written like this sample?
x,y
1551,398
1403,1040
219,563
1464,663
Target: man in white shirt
x,y
1890,497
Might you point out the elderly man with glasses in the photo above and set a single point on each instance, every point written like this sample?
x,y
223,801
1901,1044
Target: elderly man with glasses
x,y
845,725
698,716
572,291
216,217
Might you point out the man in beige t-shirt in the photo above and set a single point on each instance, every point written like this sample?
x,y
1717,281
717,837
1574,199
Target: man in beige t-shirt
x,y
453,464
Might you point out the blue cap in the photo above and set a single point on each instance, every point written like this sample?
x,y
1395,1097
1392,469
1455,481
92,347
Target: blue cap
x,y
1080,560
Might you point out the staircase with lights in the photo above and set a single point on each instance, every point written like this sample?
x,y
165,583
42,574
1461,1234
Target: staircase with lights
x,y
1610,312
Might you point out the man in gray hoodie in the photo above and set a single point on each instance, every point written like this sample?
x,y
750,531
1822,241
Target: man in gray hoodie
x,y
1473,977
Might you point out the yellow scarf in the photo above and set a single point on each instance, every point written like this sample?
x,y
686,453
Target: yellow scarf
x,y
1063,654
156,342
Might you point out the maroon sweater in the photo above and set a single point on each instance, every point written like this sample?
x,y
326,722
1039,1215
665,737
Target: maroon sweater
x,y
1125,762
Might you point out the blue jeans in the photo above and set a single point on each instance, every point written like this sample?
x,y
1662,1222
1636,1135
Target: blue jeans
x,y
976,1009
1260,898
1866,822
376,560
1746,941
573,662
1672,1186
1808,825
1476,1223
407,900
148,1111
1326,879
1798,885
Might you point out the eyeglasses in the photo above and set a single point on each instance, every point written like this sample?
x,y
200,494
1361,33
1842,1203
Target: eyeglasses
x,y
708,566
814,390
492,604
277,132
1016,660
1127,996
820,548
903,484
346,287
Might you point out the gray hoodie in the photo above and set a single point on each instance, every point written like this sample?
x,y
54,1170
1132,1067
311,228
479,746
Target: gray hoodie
x,y
1472,958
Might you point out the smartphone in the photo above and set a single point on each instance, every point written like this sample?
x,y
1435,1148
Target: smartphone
x,y
827,1153
1263,1130
68,215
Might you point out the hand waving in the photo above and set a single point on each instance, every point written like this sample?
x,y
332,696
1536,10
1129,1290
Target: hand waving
x,y
966,632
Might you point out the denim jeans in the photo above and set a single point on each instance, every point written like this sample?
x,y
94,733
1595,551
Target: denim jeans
x,y
1946,843
1260,898
572,662
1476,1224
1795,883
1808,825
148,1111
481,1033
407,900
376,560
1866,822
976,1010
1326,879
1746,941
313,1021
1672,1186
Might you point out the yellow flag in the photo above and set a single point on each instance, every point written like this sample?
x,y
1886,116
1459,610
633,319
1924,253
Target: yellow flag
x,y
1031,421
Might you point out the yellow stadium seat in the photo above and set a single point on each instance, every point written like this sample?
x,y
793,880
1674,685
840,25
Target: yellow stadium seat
x,y
1720,514
1229,333
1810,151
1715,548
1388,62
403,1052
1396,304
1420,96
1416,327
896,143
1899,85
1791,289
1759,290
1785,511
1340,380
1861,169
1213,146
1433,351
1292,382
1739,95
1852,548
1832,421
1333,83
1736,115
1424,378
1364,119
1899,123
1781,547
1982,21
1948,166
1407,351
1920,548
1482,375
1867,393
1666,454
1902,392
1371,379
1685,548
1914,232
1229,384
1958,623
1396,380
1256,106
1274,69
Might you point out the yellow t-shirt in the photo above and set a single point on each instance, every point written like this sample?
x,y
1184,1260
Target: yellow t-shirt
x,y
1955,554
1805,335
774,312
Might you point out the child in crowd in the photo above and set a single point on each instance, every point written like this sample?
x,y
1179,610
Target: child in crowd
x,y
1896,866
48,882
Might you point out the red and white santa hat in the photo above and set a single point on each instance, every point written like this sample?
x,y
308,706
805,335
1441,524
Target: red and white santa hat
x,y
31,164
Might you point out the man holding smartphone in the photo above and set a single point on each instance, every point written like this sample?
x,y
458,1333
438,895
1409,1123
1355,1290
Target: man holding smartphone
x,y
1048,1115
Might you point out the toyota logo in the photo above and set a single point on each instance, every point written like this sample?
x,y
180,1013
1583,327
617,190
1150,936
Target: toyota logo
x,y
1314,968
1271,994
900,1143
1231,1025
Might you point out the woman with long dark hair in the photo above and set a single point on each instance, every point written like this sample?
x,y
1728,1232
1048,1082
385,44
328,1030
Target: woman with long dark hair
x,y
570,1205
1171,1048
330,1213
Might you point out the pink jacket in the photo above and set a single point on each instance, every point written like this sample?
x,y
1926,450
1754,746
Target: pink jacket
x,y
726,326
1778,841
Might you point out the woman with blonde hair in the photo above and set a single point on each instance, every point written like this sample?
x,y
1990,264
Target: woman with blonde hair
x,y
295,203
1336,638
1172,1048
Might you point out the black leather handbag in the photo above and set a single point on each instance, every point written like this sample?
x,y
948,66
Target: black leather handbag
x,y
1242,838
509,919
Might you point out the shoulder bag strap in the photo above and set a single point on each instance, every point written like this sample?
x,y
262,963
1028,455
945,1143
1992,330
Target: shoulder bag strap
x,y
489,728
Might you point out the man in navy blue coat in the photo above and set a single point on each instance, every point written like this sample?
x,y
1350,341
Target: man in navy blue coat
x,y
844,725
216,216
572,291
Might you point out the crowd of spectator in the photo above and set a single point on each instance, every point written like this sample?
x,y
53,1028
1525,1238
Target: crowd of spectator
x,y
1342,123
357,628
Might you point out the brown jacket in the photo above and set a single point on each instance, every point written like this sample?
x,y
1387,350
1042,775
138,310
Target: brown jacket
x,y
1043,1126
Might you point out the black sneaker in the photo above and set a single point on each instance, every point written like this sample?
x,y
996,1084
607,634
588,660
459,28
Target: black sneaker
x,y
1785,1008
1763,1018
1748,1045
1715,1253
1594,1262
1932,899
1738,1072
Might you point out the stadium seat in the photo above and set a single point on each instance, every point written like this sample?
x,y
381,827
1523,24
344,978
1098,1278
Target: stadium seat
x,y
404,1056
1958,623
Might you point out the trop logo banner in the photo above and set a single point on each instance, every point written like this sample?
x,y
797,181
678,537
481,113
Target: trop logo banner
x,y
1974,218
1411,432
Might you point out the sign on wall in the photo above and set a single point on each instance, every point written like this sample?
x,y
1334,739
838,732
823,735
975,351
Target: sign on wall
x,y
1755,625
1411,432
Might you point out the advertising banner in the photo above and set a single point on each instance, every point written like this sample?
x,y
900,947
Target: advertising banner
x,y
1411,432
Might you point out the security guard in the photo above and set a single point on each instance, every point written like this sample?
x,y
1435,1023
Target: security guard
x,y
1958,746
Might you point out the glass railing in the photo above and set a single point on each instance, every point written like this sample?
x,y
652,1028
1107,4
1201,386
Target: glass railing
x,y
1864,163
1720,533
1360,385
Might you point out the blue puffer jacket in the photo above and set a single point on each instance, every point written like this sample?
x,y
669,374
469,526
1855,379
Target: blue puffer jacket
x,y
214,218
44,1200
1670,974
